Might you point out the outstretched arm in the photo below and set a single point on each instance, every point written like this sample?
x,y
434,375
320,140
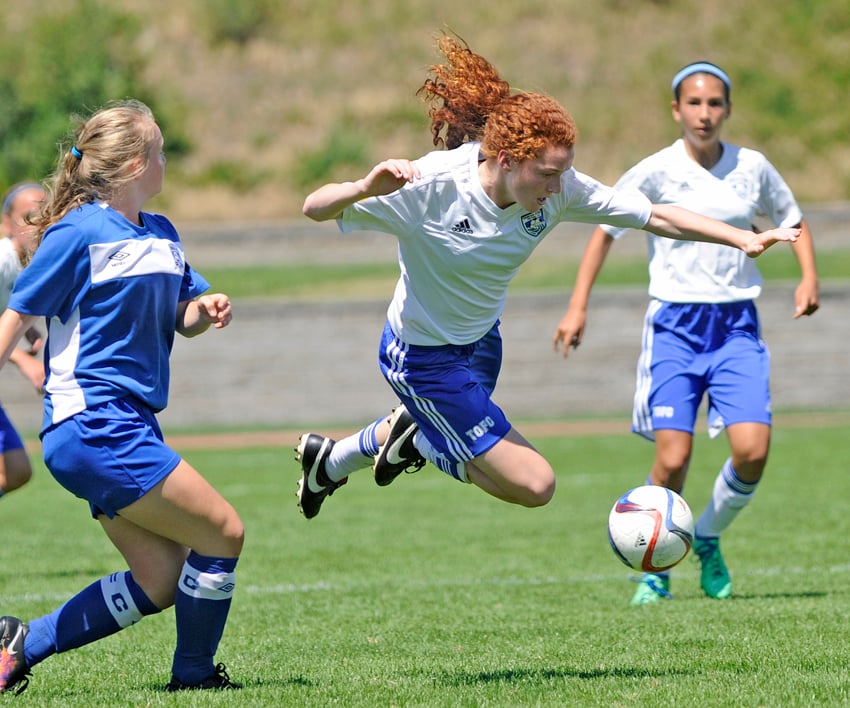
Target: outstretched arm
x,y
570,330
675,222
386,177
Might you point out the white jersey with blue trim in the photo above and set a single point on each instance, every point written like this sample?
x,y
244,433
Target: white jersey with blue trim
x,y
109,291
458,251
742,186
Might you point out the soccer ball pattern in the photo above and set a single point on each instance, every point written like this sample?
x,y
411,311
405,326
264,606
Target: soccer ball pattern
x,y
651,528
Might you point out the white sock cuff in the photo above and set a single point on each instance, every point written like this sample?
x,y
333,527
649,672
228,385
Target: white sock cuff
x,y
206,586
118,599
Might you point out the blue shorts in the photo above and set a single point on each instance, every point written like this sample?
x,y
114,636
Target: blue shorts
x,y
693,349
9,438
110,455
447,391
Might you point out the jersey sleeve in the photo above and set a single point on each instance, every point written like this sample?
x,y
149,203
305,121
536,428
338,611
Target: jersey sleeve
x,y
389,214
636,180
590,201
53,282
776,200
193,285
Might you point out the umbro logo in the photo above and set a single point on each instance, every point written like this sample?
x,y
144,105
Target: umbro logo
x,y
462,227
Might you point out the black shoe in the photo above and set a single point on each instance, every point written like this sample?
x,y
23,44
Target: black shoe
x,y
14,671
398,454
218,681
314,485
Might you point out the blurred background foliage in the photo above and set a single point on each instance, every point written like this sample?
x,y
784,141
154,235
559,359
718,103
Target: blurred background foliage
x,y
261,100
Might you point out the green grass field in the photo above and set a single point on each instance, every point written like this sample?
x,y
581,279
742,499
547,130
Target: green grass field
x,y
429,593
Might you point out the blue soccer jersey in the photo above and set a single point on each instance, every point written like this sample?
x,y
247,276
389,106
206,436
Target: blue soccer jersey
x,y
109,291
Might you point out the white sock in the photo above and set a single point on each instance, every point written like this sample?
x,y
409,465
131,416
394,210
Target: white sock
x,y
729,496
456,470
353,453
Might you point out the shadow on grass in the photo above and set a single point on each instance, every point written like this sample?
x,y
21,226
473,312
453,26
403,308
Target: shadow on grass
x,y
779,595
531,675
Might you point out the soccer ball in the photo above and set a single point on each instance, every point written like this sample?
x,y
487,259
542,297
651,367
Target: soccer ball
x,y
651,528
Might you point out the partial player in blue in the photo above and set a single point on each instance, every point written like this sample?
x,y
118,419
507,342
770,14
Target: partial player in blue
x,y
466,218
114,286
20,203
701,333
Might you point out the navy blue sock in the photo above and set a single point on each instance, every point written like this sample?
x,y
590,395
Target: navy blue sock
x,y
201,607
103,608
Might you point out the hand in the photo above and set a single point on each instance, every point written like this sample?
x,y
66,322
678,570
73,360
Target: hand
x,y
33,337
806,299
389,176
569,332
215,309
759,243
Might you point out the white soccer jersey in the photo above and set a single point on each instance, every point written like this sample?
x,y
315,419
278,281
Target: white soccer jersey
x,y
10,268
458,251
740,187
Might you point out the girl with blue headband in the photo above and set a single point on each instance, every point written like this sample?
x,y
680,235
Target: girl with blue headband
x,y
701,331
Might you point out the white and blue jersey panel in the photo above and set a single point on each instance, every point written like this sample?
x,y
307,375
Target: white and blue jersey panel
x,y
109,290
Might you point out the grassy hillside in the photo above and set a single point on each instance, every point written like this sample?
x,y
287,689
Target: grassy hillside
x,y
278,96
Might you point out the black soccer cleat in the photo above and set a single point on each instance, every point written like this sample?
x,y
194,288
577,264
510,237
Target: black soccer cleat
x,y
14,672
398,454
219,681
314,485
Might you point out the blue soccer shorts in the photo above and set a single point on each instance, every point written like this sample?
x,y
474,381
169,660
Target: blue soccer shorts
x,y
447,391
111,455
690,350
9,437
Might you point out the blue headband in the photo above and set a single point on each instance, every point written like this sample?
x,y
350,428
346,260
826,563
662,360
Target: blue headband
x,y
701,67
15,191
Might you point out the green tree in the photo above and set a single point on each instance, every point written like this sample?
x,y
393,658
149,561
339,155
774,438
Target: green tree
x,y
65,64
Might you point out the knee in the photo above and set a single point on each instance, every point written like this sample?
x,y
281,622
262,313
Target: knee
x,y
233,536
541,489
18,478
18,471
754,457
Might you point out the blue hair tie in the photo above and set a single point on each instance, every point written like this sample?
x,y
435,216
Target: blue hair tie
x,y
701,67
76,153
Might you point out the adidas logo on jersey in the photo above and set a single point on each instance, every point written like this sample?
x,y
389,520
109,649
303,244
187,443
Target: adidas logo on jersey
x,y
462,227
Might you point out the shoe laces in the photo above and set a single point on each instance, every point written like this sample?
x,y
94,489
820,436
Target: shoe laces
x,y
653,582
657,587
224,677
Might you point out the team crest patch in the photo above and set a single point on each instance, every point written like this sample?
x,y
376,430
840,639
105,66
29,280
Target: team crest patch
x,y
177,255
533,224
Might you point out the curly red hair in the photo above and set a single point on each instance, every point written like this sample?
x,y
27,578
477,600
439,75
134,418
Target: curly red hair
x,y
470,101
